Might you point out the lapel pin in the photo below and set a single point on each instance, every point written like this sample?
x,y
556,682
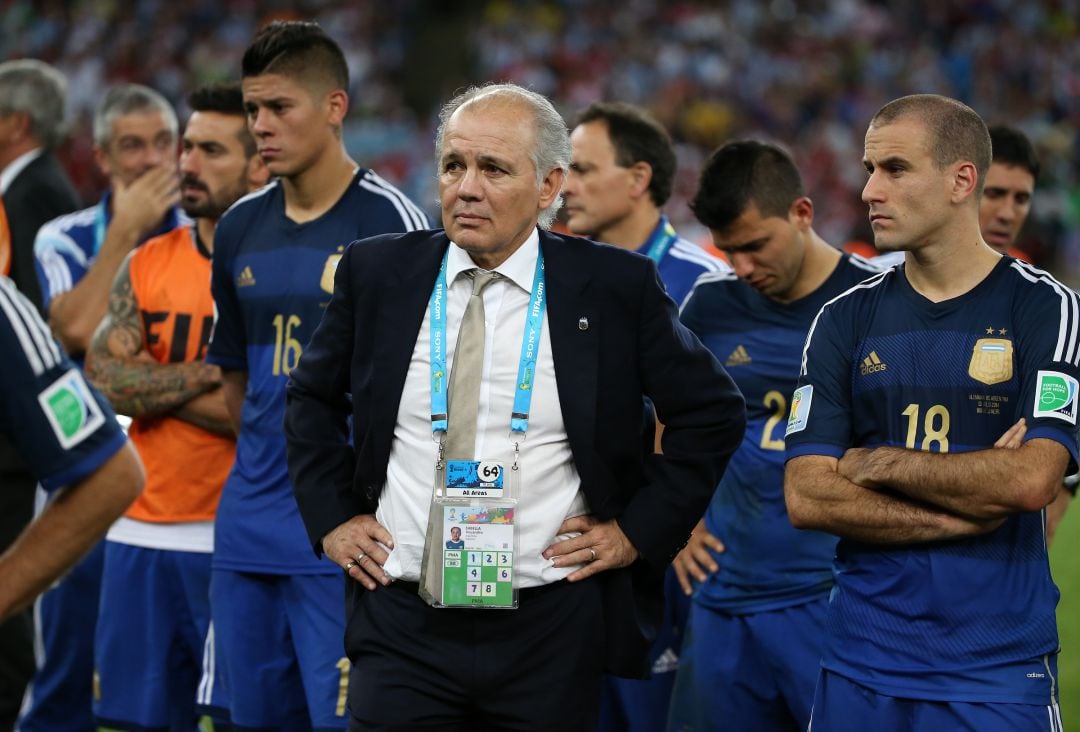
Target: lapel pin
x,y
583,323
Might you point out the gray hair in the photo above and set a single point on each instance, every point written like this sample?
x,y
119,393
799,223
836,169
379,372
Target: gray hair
x,y
126,99
37,90
552,149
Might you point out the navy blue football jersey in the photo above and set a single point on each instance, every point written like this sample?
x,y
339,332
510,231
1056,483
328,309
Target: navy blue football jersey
x,y
272,279
61,426
681,262
66,247
965,620
767,564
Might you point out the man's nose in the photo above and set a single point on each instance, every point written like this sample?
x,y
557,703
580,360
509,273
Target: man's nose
x,y
470,186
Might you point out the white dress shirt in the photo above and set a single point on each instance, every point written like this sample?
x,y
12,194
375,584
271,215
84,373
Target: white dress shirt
x,y
550,485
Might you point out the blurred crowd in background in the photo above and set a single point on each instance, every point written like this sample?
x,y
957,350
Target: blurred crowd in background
x,y
805,73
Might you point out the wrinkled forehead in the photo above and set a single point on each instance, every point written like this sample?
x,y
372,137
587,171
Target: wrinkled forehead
x,y
499,127
906,137
144,124
1009,176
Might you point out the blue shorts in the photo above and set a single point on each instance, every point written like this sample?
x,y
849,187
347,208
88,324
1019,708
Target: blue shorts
x,y
155,609
210,698
842,705
634,705
60,696
754,671
280,651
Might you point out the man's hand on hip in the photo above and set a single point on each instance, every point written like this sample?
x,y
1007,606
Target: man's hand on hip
x,y
602,545
357,547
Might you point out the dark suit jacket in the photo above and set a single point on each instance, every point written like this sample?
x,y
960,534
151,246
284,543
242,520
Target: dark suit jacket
x,y
634,347
39,193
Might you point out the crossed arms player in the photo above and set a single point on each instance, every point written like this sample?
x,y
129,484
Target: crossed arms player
x,y
911,383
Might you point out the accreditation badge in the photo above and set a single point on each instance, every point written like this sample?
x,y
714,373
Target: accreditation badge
x,y
471,538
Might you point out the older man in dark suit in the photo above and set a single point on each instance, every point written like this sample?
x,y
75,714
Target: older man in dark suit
x,y
598,516
34,187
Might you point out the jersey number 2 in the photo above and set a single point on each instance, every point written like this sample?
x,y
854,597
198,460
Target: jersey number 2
x,y
774,400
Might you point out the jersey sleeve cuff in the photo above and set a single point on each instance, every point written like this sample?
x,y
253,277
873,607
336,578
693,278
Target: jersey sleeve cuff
x,y
86,466
1066,438
814,448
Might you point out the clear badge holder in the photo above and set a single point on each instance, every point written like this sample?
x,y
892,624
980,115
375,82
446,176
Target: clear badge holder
x,y
471,539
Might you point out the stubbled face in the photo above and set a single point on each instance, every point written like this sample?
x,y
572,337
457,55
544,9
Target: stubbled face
x,y
908,195
213,164
487,181
597,189
1005,205
765,252
140,142
292,126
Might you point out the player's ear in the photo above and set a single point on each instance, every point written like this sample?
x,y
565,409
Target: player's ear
x,y
337,103
964,179
801,212
641,177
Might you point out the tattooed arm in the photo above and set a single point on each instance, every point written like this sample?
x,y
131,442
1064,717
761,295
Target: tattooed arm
x,y
118,364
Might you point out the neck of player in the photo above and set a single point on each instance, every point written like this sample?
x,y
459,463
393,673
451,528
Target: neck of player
x,y
206,227
950,262
818,263
314,191
632,231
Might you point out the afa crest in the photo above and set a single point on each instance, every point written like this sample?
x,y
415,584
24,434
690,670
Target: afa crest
x,y
329,270
991,360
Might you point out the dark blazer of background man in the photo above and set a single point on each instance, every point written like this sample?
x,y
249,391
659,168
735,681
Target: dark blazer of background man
x,y
31,125
615,338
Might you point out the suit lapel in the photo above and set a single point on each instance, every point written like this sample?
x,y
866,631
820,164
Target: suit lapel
x,y
398,320
574,342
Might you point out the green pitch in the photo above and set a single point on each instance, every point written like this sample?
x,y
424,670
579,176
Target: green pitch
x,y
1065,565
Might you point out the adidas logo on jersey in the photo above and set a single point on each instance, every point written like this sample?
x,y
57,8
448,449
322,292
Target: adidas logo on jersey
x,y
871,364
667,662
738,357
246,278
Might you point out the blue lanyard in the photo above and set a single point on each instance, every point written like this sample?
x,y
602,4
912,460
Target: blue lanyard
x,y
661,240
100,224
530,346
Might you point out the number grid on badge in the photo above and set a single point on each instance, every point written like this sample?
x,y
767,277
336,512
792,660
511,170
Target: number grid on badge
x,y
480,572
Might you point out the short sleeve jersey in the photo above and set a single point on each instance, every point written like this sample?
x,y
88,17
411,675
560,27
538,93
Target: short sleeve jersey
x,y
62,427
186,466
965,620
767,564
679,261
66,247
272,279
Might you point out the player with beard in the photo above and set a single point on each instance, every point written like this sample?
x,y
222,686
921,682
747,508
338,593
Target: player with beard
x,y
147,357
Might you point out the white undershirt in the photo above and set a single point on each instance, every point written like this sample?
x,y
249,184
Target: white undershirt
x,y
551,487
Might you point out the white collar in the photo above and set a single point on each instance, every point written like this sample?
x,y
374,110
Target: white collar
x,y
8,174
519,268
